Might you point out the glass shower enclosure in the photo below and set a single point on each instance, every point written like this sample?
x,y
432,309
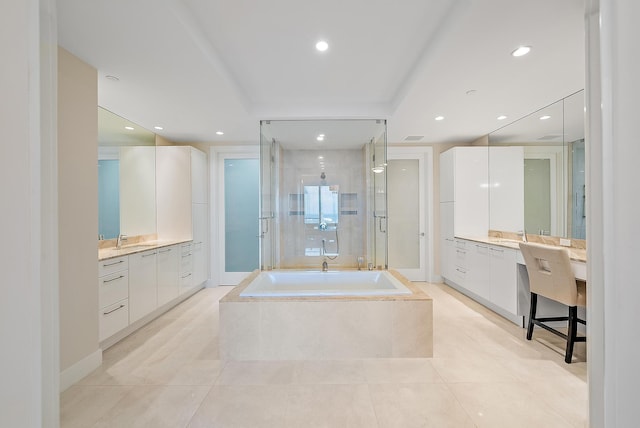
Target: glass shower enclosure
x,y
323,195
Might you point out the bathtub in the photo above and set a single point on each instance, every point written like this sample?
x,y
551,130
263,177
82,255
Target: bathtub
x,y
307,315
316,283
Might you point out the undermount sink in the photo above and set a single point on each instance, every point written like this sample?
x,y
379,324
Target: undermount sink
x,y
137,247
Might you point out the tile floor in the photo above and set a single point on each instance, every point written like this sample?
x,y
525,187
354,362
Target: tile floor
x,y
483,374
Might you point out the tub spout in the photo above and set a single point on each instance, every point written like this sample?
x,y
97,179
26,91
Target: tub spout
x,y
325,266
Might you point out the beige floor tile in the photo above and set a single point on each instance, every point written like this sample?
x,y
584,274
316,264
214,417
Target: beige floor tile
x,y
257,373
243,406
82,406
330,406
472,370
417,405
330,372
155,406
401,370
506,404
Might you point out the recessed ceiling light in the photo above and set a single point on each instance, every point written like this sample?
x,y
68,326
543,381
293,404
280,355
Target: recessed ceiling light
x,y
322,45
439,118
159,128
130,128
112,78
503,117
377,169
521,51
545,117
320,137
320,157
219,133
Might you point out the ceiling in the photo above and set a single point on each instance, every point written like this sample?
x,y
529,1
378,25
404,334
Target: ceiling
x,y
195,67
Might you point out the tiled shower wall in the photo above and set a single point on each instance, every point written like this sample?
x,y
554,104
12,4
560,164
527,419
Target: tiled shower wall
x,y
299,168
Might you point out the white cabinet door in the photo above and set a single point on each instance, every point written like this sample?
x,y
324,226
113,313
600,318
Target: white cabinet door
x,y
186,267
504,280
174,192
168,264
143,297
471,193
200,244
447,174
199,177
478,278
464,176
447,250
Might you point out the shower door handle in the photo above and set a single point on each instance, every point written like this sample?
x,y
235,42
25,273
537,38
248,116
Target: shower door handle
x,y
380,223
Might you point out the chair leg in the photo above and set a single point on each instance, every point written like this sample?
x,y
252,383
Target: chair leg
x,y
571,333
532,314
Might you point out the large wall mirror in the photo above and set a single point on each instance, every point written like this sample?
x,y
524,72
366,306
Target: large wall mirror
x,y
126,177
546,166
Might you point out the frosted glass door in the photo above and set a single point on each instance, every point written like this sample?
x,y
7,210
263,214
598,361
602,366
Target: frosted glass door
x,y
405,198
241,213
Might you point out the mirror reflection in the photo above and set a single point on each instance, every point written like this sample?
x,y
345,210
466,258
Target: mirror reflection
x,y
126,177
552,169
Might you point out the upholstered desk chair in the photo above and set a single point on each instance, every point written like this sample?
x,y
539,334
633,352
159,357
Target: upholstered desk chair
x,y
551,276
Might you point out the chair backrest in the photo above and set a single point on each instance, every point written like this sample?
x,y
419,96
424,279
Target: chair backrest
x,y
550,272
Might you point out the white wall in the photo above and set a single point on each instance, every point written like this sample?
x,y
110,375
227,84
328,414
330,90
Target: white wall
x,y
613,154
28,186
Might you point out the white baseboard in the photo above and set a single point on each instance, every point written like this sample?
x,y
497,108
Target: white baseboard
x,y
80,369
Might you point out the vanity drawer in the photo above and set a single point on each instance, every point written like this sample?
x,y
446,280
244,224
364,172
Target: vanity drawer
x,y
113,288
186,281
113,319
105,267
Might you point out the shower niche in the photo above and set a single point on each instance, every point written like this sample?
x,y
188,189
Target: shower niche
x,y
323,194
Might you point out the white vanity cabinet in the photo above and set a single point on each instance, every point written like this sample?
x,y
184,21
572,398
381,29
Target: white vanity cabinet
x,y
143,288
503,276
489,274
113,294
168,274
200,244
186,268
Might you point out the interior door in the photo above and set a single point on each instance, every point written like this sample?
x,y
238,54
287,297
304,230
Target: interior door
x,y
239,196
407,219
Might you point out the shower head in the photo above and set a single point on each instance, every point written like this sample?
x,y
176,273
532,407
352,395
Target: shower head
x,y
323,175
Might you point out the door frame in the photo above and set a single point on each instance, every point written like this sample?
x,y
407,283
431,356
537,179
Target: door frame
x,y
424,155
217,156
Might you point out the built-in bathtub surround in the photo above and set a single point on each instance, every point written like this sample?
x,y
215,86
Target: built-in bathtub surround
x,y
326,327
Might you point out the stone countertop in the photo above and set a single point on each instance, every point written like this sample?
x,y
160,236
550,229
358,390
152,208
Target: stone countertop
x,y
234,295
112,252
575,254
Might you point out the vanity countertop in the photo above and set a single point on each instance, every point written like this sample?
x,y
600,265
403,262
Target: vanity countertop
x,y
125,250
575,254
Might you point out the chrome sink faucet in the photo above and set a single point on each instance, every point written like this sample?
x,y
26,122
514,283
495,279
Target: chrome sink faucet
x,y
121,238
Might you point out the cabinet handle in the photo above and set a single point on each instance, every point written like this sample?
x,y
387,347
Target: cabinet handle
x,y
448,239
150,254
165,251
112,279
186,255
113,310
481,246
461,271
187,275
113,264
497,250
461,251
